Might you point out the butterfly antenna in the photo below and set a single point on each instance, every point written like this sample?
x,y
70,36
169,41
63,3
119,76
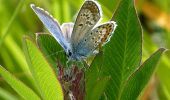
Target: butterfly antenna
x,y
55,53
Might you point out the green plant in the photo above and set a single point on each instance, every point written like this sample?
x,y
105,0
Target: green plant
x,y
116,73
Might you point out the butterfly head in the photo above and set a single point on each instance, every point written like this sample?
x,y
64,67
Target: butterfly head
x,y
74,56
71,55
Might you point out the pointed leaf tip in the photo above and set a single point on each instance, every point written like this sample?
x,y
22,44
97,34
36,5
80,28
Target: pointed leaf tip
x,y
141,76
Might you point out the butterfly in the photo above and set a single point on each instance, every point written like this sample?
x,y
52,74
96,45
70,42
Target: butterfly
x,y
83,38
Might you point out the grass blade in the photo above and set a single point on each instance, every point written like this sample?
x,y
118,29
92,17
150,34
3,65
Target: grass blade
x,y
5,32
18,86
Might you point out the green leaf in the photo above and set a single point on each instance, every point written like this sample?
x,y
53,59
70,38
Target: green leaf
x,y
93,77
44,76
163,71
97,89
52,51
122,55
140,78
16,53
95,80
18,86
6,95
93,72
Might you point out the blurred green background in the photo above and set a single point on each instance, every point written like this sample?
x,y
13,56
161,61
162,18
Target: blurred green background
x,y
17,19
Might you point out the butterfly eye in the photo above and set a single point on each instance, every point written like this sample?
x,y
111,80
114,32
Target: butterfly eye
x,y
69,53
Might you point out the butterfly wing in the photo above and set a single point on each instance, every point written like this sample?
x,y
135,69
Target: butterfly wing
x,y
67,29
87,18
98,36
52,25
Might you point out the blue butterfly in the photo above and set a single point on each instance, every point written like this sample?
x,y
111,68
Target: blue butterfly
x,y
82,39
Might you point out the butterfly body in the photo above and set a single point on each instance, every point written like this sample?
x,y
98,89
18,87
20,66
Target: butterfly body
x,y
81,39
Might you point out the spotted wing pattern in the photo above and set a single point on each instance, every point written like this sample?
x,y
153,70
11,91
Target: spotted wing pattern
x,y
98,36
87,18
